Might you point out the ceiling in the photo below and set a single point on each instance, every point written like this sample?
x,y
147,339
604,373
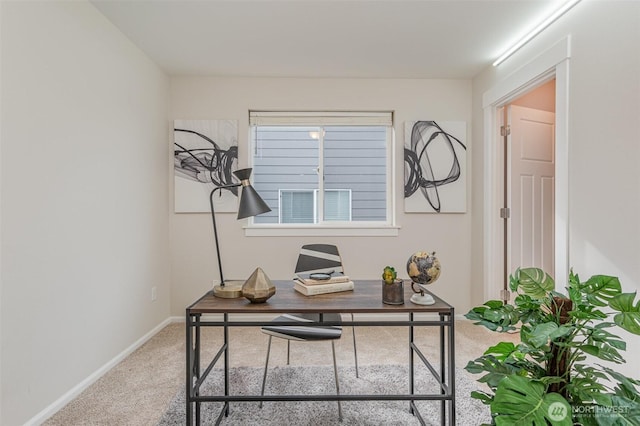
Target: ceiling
x,y
325,38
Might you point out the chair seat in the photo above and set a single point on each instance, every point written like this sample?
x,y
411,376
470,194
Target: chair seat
x,y
301,332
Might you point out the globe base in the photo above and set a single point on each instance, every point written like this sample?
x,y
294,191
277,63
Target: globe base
x,y
422,299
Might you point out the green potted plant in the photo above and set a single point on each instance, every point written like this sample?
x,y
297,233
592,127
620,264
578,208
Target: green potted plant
x,y
392,287
552,376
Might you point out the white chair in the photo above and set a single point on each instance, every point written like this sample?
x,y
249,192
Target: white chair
x,y
313,258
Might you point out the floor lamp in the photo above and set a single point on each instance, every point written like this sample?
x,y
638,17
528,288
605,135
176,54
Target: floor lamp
x,y
250,205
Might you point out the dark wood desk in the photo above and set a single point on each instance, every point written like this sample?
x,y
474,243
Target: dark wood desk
x,y
365,298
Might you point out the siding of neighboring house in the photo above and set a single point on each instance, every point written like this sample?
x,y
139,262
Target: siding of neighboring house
x,y
286,158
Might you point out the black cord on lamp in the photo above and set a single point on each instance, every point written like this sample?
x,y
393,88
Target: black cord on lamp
x,y
250,205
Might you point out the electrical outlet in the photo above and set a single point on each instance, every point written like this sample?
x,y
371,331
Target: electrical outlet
x,y
154,293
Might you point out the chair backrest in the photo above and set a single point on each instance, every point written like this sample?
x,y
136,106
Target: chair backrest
x,y
319,258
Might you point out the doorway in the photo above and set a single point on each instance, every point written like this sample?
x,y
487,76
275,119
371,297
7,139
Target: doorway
x,y
530,74
529,181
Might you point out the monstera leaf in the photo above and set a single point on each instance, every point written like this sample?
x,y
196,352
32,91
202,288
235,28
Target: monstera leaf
x,y
533,282
520,401
494,315
629,314
543,333
501,351
495,370
600,289
626,386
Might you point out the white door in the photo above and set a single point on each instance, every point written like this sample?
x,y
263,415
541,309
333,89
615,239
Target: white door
x,y
531,189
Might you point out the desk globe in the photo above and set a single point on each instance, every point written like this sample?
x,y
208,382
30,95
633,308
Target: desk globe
x,y
423,269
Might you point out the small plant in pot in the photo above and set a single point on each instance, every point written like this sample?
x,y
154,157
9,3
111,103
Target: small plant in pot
x,y
392,287
389,275
553,377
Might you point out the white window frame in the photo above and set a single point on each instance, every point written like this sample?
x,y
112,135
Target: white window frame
x,y
331,228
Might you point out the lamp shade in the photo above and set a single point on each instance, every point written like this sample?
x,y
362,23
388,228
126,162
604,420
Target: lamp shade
x,y
251,204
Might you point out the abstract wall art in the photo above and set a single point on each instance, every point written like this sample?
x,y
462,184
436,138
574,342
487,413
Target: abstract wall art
x,y
435,167
205,155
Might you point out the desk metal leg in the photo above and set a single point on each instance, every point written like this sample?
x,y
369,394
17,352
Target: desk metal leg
x,y
450,362
452,367
192,366
411,372
443,403
196,365
189,367
226,361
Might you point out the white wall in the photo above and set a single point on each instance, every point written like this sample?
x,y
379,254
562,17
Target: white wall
x,y
192,246
604,142
85,222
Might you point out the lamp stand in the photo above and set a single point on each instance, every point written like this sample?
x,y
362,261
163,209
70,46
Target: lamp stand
x,y
250,205
231,289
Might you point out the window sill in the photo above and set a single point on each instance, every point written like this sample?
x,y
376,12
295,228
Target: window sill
x,y
312,231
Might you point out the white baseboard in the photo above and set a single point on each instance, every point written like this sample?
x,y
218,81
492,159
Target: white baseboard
x,y
76,390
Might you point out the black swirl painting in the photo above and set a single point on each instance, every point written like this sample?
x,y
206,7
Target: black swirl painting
x,y
205,154
435,167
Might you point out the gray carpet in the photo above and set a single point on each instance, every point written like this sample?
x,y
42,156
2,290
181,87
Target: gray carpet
x,y
378,379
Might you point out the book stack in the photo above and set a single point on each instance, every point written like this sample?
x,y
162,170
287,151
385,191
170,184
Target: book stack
x,y
310,287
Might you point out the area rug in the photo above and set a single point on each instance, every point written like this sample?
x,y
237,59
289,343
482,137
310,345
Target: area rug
x,y
377,379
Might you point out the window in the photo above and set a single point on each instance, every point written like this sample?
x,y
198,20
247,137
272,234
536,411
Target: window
x,y
300,205
323,169
337,205
297,206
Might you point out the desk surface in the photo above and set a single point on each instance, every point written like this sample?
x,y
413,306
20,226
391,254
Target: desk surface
x,y
366,297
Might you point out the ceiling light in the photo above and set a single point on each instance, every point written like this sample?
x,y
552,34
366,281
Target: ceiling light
x,y
544,24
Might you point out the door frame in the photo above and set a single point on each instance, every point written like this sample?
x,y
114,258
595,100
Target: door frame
x,y
554,62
